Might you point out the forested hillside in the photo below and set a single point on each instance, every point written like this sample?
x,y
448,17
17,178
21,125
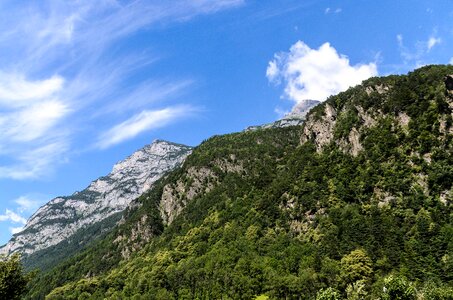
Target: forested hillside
x,y
356,204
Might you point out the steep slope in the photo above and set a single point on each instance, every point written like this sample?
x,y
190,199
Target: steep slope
x,y
293,118
103,200
358,199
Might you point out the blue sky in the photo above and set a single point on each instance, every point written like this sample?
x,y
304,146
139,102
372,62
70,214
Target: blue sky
x,y
85,83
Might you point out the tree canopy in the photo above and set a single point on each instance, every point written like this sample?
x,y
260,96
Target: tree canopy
x,y
13,279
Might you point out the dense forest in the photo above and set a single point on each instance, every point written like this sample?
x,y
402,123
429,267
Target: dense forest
x,y
354,204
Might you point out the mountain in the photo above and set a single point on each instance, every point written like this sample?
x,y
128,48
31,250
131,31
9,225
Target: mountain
x,y
104,199
356,203
295,117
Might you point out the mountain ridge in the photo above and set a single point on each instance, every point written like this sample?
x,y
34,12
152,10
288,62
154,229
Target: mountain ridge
x,y
106,196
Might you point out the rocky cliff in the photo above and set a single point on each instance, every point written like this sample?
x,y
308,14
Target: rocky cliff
x,y
62,217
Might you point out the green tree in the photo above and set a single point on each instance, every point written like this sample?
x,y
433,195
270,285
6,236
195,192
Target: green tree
x,y
398,288
355,266
13,279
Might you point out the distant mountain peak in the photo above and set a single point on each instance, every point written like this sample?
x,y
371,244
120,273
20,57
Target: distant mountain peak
x,y
61,217
295,117
301,109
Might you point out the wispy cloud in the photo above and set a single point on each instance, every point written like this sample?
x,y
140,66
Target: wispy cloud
x,y
139,123
315,74
57,72
30,111
148,92
36,161
35,121
433,41
15,230
329,10
415,55
16,91
25,205
12,217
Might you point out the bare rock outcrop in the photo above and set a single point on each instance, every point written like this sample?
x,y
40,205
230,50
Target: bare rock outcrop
x,y
176,196
320,130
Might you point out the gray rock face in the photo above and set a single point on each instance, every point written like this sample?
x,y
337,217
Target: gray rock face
x,y
176,196
63,216
321,131
293,118
301,109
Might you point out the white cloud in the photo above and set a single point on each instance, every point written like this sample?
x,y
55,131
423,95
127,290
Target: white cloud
x,y
12,217
16,91
26,204
210,6
15,230
144,121
451,61
329,10
34,121
433,41
272,71
315,74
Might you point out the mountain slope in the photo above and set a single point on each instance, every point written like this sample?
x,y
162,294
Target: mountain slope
x,y
95,209
358,199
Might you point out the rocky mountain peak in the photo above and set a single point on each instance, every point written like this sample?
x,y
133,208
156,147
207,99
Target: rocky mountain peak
x,y
61,217
295,117
301,109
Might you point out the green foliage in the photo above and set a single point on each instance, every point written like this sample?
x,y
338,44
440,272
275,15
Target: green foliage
x,y
356,266
346,121
328,294
357,290
13,279
432,291
398,288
